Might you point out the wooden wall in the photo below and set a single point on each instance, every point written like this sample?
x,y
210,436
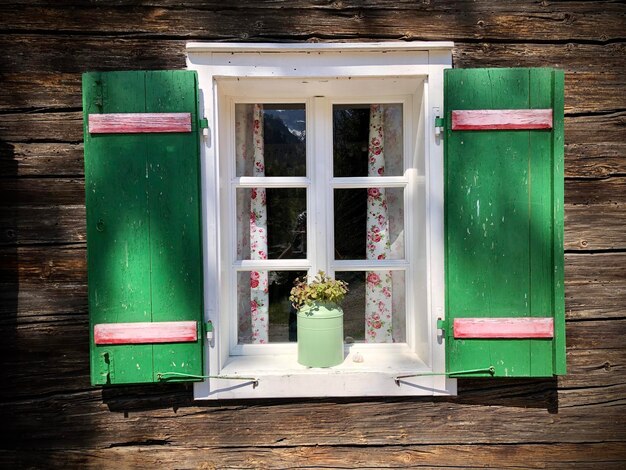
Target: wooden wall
x,y
52,418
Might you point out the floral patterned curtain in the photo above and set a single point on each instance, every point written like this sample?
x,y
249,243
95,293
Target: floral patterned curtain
x,y
252,236
378,289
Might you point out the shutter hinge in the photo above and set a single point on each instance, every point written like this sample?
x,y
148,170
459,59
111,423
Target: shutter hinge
x,y
208,330
439,125
442,326
204,125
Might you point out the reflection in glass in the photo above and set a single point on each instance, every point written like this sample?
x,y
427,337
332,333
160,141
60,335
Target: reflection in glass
x,y
265,314
354,127
374,309
281,129
369,223
285,224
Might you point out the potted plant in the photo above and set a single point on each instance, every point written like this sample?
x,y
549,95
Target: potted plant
x,y
319,320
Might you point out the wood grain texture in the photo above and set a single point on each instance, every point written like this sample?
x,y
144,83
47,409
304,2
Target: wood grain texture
x,y
145,332
448,20
503,328
501,119
160,453
46,401
133,123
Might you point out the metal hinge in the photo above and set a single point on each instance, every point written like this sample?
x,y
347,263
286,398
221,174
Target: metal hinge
x,y
439,125
208,330
442,326
204,125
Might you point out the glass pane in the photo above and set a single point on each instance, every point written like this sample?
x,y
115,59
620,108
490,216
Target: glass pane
x,y
270,139
367,140
374,309
369,223
263,296
271,223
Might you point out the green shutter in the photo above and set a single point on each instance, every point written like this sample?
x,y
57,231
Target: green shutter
x,y
143,225
504,223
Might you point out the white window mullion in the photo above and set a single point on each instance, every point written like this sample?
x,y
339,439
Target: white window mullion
x,y
320,223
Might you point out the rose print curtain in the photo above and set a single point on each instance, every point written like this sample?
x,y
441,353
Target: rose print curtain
x,y
252,234
384,228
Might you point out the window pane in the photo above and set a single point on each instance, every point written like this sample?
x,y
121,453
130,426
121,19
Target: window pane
x,y
270,139
369,223
271,223
374,309
367,140
265,314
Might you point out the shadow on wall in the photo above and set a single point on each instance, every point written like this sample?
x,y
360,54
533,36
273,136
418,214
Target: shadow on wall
x,y
9,280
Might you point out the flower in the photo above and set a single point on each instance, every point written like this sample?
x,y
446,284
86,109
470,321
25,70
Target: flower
x,y
373,192
254,283
373,279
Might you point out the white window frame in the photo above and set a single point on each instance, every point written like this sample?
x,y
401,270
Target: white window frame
x,y
219,66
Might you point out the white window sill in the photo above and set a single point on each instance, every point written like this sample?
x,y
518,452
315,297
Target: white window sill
x,y
283,377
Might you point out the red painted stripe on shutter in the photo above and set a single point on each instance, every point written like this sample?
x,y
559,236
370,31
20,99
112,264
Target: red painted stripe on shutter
x,y
503,327
494,119
146,333
129,123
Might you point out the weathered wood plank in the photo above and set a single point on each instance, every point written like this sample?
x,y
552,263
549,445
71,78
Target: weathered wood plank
x,y
594,144
595,227
42,224
593,357
41,127
454,20
599,91
33,191
162,455
36,265
131,123
41,159
112,418
145,332
503,327
70,191
491,119
595,285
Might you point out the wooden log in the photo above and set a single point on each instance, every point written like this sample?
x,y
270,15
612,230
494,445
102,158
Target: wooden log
x,y
585,92
34,265
34,191
112,418
41,159
587,227
595,226
160,453
487,20
42,127
25,225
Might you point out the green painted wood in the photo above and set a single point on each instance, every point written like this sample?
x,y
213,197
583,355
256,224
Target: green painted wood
x,y
558,188
500,232
134,256
174,202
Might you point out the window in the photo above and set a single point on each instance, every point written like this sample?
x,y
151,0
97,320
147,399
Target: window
x,y
448,224
290,147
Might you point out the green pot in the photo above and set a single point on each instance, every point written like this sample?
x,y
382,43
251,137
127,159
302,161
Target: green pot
x,y
320,335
